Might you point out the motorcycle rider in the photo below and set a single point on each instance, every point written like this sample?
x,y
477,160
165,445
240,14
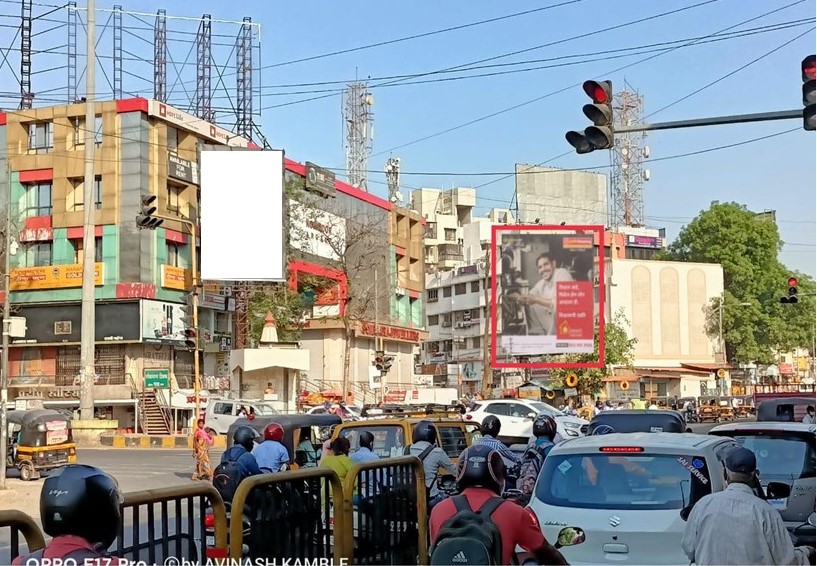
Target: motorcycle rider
x,y
711,537
241,452
480,477
80,507
424,440
544,433
490,432
271,455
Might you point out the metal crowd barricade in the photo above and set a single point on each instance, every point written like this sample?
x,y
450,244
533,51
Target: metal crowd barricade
x,y
385,502
170,522
20,523
288,515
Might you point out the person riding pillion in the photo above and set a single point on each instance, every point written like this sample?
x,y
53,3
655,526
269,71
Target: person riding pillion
x,y
271,454
80,507
490,433
544,432
424,440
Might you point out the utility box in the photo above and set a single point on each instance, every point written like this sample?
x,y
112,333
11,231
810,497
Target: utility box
x,y
17,327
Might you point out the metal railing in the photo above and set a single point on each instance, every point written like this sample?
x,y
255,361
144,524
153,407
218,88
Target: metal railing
x,y
288,516
175,518
20,524
385,501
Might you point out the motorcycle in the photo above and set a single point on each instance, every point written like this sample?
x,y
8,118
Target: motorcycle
x,y
802,529
568,536
210,528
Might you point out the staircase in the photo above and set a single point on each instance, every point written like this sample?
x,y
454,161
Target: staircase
x,y
153,418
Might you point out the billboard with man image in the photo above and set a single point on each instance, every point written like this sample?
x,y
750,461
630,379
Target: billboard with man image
x,y
545,301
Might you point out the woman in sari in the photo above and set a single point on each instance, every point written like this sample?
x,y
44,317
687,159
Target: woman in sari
x,y
202,441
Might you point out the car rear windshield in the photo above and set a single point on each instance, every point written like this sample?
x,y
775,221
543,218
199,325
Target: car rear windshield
x,y
623,481
781,456
456,438
388,439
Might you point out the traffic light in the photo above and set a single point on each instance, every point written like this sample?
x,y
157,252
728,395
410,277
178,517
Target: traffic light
x,y
191,333
807,68
792,297
379,360
387,361
145,218
600,135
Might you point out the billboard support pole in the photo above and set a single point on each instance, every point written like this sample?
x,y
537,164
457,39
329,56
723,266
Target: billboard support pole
x,y
487,374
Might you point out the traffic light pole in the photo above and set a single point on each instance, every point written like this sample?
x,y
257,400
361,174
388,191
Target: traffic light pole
x,y
713,121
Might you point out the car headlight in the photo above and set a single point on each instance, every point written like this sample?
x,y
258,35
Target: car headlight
x,y
572,425
571,432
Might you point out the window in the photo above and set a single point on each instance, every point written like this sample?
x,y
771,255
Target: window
x,y
40,199
475,314
475,286
389,440
459,289
172,139
79,131
446,291
432,295
452,440
76,198
173,255
783,456
450,234
446,320
41,136
173,199
498,409
623,481
41,254
433,320
79,256
475,342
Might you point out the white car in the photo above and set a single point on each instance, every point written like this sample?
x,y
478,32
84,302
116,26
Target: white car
x,y
627,491
516,417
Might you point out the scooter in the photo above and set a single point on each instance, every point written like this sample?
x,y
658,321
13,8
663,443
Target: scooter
x,y
798,531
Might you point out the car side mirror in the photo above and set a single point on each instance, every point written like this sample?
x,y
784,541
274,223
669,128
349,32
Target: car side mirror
x,y
532,416
812,520
685,512
569,536
777,490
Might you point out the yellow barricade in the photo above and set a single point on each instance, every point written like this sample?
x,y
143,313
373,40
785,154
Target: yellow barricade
x,y
288,515
20,523
170,522
386,516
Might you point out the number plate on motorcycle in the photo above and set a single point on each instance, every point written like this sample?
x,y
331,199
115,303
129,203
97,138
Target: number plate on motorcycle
x,y
211,541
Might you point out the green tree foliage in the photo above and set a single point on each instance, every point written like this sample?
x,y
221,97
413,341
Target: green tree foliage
x,y
286,306
619,349
755,323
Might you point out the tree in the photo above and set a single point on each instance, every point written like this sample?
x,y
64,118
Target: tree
x,y
746,245
286,306
619,351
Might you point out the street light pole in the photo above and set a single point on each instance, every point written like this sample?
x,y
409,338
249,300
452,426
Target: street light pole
x,y
4,377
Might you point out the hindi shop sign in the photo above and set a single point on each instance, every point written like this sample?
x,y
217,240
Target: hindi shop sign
x,y
574,311
393,332
157,379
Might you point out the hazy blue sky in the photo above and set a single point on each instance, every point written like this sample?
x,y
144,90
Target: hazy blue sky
x,y
777,173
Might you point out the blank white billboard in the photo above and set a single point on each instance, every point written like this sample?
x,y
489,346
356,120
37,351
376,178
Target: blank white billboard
x,y
242,223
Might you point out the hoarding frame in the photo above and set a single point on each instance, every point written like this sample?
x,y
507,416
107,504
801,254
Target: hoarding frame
x,y
598,233
271,233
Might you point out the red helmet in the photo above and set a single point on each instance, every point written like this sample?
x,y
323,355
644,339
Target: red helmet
x,y
274,431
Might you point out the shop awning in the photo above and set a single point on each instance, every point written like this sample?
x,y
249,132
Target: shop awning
x,y
264,358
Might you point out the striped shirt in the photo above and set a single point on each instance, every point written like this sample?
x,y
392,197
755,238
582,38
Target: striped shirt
x,y
735,526
503,450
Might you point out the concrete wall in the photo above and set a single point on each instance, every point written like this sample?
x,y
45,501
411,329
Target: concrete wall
x,y
555,196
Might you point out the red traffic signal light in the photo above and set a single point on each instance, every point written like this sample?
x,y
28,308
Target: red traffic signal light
x,y
792,281
808,67
792,298
601,92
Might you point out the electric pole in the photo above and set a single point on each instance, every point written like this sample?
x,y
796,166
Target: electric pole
x,y
88,326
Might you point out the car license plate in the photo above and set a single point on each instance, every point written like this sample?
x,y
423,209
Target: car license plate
x,y
779,504
211,540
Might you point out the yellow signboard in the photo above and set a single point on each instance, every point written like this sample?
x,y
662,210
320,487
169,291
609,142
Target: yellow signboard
x,y
52,277
174,278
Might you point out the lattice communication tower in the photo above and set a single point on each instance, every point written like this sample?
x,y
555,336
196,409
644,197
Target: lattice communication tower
x,y
628,176
358,120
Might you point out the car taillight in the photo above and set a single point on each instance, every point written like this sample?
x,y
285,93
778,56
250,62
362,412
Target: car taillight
x,y
621,449
210,521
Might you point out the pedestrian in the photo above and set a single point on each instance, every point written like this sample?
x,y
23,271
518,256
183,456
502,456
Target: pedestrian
x,y
809,417
711,536
202,441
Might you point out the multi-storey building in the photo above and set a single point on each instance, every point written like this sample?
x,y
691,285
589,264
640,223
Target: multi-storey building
x,y
142,276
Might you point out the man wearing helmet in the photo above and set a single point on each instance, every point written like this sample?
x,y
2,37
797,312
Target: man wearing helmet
x,y
544,432
490,433
80,507
481,478
271,454
241,452
424,439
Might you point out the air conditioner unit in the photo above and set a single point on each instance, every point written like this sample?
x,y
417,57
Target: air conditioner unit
x,y
463,324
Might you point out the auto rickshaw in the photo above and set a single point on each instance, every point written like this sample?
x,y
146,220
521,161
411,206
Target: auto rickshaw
x,y
40,439
664,403
745,408
726,412
708,409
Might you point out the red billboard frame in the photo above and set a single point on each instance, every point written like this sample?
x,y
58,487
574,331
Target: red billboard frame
x,y
598,237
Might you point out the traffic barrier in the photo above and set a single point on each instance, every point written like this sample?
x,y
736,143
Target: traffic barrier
x,y
385,504
288,515
175,518
20,523
155,441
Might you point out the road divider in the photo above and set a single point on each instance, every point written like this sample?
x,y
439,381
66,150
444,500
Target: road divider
x,y
146,441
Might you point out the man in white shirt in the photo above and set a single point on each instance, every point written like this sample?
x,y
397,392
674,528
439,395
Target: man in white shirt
x,y
542,297
809,417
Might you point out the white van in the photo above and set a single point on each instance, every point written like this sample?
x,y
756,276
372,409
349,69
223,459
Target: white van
x,y
221,413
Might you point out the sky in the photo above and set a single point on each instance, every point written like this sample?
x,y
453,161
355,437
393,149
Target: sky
x,y
467,128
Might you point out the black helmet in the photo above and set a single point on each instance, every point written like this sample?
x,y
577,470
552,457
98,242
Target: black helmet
x,y
244,436
82,501
366,439
491,426
544,426
424,430
481,466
